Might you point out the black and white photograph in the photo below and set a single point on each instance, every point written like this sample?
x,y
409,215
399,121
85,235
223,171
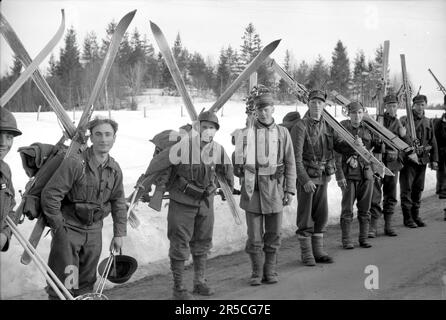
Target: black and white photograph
x,y
234,152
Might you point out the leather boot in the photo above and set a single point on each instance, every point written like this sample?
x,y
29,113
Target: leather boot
x,y
179,291
269,268
373,228
345,229
388,229
317,241
363,233
415,212
408,221
305,251
200,285
256,262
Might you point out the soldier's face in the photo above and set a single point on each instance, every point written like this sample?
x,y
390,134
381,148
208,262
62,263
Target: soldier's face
x,y
6,140
356,117
392,108
418,107
207,131
102,137
265,114
316,107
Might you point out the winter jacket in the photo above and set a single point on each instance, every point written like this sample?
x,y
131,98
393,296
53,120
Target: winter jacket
x,y
81,193
7,201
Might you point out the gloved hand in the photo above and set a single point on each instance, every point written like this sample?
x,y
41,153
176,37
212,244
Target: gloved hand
x,y
352,161
433,165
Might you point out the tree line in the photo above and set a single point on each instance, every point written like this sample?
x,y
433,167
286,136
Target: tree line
x,y
138,65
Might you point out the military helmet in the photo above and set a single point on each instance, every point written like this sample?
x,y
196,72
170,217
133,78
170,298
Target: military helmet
x,y
209,116
8,122
122,268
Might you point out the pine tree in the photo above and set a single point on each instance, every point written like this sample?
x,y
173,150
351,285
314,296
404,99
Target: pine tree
x,y
359,73
181,56
319,75
223,73
302,73
251,45
340,69
69,66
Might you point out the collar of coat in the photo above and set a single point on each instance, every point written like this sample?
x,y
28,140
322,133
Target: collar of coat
x,y
94,163
261,125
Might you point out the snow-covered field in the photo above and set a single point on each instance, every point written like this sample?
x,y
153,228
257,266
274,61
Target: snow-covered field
x,y
133,150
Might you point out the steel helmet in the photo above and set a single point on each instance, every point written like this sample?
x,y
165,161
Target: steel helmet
x,y
8,122
209,116
121,270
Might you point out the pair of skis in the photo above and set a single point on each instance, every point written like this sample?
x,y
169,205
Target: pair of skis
x,y
302,94
179,82
77,135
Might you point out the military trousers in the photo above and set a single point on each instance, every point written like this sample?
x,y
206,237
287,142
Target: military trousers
x,y
74,257
361,192
264,232
411,187
189,230
385,187
441,180
312,210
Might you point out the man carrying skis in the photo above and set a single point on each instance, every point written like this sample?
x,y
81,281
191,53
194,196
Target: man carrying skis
x,y
190,218
8,130
440,136
314,143
412,175
356,177
80,194
274,187
388,184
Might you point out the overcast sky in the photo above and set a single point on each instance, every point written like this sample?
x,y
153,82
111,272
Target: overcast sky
x,y
307,28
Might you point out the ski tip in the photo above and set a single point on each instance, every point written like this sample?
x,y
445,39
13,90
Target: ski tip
x,y
154,26
273,44
131,14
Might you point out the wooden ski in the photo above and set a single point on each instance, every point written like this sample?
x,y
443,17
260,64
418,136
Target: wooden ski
x,y
12,90
302,93
252,66
20,51
408,104
179,82
79,137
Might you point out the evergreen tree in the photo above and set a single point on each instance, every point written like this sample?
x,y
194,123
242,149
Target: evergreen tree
x,y
302,73
251,45
359,74
197,70
340,69
223,73
69,67
319,75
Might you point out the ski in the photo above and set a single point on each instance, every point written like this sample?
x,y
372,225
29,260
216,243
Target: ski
x,y
12,90
440,86
179,82
79,137
388,136
174,70
408,103
20,51
302,93
250,68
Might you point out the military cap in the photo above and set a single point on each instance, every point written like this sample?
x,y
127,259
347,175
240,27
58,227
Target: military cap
x,y
419,98
354,106
8,122
390,98
317,94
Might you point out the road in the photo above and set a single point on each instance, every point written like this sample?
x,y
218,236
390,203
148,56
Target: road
x,y
409,266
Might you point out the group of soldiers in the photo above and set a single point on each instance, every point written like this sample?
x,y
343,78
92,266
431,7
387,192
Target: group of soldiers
x,y
306,153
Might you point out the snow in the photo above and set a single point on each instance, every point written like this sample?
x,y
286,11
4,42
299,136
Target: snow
x,y
133,150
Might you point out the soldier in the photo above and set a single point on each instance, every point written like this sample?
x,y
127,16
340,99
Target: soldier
x,y
412,175
190,218
440,136
314,142
290,120
356,177
8,130
387,186
274,188
75,201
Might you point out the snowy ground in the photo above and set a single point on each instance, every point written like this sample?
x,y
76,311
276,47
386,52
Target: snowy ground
x,y
148,244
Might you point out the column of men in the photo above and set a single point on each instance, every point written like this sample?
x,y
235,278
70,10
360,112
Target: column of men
x,y
88,186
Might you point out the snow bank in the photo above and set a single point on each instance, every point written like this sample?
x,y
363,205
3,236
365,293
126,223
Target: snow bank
x,y
148,244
